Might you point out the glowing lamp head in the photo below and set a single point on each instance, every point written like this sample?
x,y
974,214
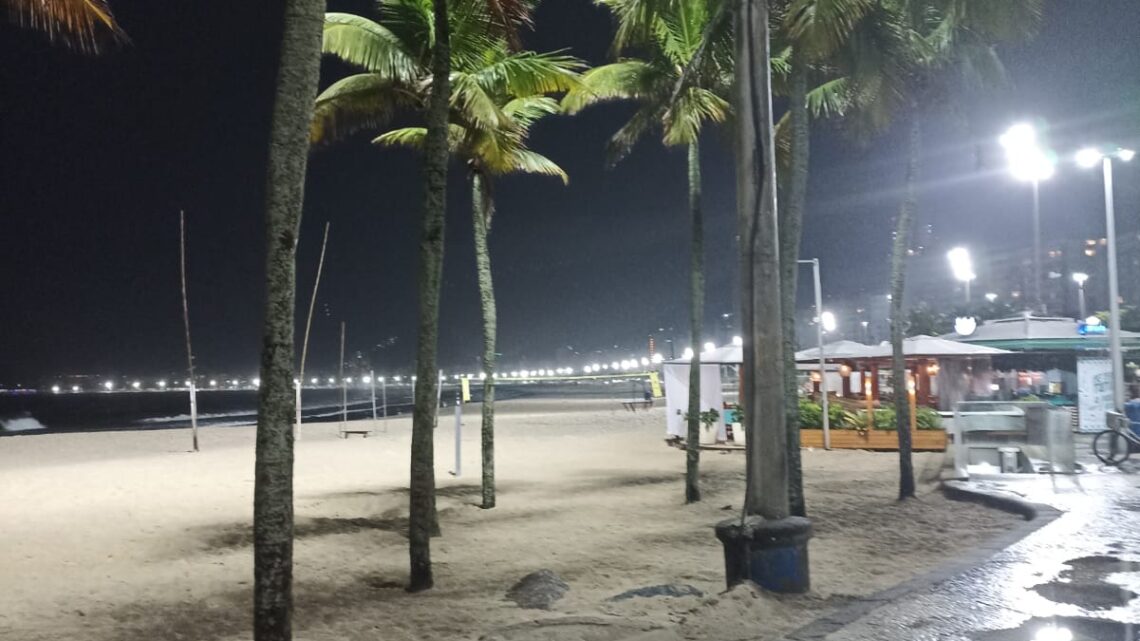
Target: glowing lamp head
x,y
644,361
737,341
1080,278
1089,157
366,379
658,358
108,386
55,389
1126,155
688,353
827,320
136,385
1027,161
256,382
75,388
961,264
990,296
709,346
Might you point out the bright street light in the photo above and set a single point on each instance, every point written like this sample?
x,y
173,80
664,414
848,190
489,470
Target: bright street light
x,y
55,389
161,384
75,388
136,384
990,296
108,386
710,346
366,379
658,358
1030,163
827,319
737,341
962,267
1087,158
687,354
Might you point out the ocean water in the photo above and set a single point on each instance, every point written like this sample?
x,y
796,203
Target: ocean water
x,y
30,413
39,412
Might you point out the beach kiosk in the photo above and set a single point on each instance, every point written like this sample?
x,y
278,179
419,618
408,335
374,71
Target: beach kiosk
x,y
720,371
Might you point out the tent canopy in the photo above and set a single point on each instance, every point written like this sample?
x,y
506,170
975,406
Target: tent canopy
x,y
1027,332
930,346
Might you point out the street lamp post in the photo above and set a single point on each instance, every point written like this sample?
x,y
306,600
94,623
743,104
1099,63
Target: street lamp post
x,y
1089,158
1028,162
814,262
1080,278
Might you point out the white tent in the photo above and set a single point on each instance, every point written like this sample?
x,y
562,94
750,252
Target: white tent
x,y
836,350
932,347
677,395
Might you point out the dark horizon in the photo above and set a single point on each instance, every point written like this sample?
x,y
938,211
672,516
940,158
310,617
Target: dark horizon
x,y
102,154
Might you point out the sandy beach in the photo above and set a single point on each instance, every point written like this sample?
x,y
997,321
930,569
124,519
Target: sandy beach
x,y
125,536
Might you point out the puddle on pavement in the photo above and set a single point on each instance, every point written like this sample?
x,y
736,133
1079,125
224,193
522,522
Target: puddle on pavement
x,y
1083,583
1063,629
1094,595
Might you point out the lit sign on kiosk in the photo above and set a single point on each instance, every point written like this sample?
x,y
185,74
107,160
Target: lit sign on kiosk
x,y
1091,326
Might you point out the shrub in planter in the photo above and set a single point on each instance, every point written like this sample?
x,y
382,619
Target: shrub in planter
x,y
811,415
928,419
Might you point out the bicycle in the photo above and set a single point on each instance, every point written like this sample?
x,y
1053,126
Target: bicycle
x,y
1114,445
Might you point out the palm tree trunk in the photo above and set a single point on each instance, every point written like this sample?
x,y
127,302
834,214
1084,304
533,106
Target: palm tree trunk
x,y
481,208
791,225
297,75
422,519
898,322
696,316
762,388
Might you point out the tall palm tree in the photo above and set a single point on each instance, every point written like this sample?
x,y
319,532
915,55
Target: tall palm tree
x,y
489,154
297,76
949,47
483,75
669,36
83,24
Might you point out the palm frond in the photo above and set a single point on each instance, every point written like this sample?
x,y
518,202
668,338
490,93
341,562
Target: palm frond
x,y
528,73
414,137
364,43
527,110
820,27
86,25
683,120
358,102
831,98
622,80
643,121
474,105
525,161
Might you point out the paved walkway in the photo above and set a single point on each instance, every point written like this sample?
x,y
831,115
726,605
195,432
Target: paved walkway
x,y
1074,579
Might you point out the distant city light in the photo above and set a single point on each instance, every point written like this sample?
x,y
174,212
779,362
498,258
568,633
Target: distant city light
x,y
186,383
615,365
514,374
658,358
213,383
332,381
366,379
162,384
75,388
827,319
595,367
136,385
738,341
687,354
482,376
569,371
990,296
710,346
257,382
395,379
55,389
313,380
644,361
348,380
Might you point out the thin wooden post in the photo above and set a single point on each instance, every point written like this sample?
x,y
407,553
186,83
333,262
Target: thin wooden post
x,y
343,385
186,322
308,326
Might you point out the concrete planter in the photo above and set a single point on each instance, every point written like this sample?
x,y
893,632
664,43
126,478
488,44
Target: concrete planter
x,y
921,440
771,554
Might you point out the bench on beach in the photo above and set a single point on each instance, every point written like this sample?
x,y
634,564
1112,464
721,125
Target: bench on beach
x,y
634,403
353,430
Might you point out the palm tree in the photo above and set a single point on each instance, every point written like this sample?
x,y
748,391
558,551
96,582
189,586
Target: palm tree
x,y
488,154
297,76
948,47
482,76
83,24
670,36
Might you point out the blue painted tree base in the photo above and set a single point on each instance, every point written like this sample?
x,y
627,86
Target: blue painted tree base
x,y
771,554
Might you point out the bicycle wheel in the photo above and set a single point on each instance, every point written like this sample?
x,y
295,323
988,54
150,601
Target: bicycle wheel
x,y
1111,447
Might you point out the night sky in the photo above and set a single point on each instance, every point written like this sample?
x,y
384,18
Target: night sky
x,y
98,155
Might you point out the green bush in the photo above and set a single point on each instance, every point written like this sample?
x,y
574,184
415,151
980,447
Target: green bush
x,y
928,419
811,415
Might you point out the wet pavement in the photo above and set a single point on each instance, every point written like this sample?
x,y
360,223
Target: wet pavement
x,y
1074,579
